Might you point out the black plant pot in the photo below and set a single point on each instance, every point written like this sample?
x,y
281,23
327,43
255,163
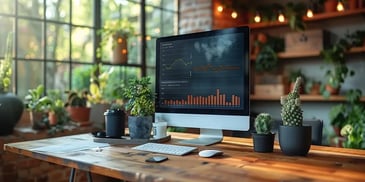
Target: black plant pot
x,y
114,123
295,140
11,109
263,142
140,127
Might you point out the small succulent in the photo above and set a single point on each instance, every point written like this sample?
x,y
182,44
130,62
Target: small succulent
x,y
263,123
291,112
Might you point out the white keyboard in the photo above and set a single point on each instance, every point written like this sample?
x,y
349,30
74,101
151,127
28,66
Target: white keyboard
x,y
165,148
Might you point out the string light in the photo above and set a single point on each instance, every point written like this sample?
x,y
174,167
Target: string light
x,y
340,6
281,17
234,14
309,13
257,18
220,8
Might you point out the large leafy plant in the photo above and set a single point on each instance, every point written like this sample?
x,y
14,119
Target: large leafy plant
x,y
5,66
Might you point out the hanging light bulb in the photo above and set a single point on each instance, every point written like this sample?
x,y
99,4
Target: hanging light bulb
x,y
281,17
234,14
309,13
220,8
340,6
257,18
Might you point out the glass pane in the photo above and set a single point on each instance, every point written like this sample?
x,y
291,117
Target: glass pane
x,y
58,10
169,23
30,8
30,39
166,4
30,75
112,11
151,52
82,12
7,6
151,72
6,25
57,75
134,50
81,77
82,45
58,42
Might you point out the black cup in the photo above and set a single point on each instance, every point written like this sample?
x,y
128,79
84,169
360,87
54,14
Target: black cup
x,y
114,123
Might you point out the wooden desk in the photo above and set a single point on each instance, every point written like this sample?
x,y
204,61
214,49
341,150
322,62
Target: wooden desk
x,y
239,162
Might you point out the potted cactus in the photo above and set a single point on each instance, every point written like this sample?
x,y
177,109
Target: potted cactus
x,y
263,139
294,138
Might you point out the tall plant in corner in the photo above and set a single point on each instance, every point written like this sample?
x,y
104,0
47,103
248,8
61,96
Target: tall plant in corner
x,y
294,138
11,107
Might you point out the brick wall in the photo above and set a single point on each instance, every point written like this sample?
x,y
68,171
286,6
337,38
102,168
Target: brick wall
x,y
202,15
17,168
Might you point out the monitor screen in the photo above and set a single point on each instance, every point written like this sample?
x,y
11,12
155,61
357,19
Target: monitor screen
x,y
202,80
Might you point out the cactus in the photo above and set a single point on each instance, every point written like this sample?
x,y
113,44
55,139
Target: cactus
x,y
291,112
263,123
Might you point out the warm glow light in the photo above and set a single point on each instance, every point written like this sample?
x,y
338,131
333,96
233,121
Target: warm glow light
x,y
340,6
234,15
148,38
309,13
220,8
119,40
124,51
257,18
281,17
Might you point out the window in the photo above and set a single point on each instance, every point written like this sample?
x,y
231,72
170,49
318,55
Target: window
x,y
55,41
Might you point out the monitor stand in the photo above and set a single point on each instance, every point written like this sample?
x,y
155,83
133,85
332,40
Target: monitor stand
x,y
206,137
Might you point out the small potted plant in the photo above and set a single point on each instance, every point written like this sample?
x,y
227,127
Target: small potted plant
x,y
294,137
140,107
76,106
263,139
114,121
292,78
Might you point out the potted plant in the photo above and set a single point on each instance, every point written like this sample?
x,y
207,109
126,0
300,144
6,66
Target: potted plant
x,y
11,107
140,107
115,34
295,13
294,137
312,87
76,106
114,121
38,106
335,56
263,139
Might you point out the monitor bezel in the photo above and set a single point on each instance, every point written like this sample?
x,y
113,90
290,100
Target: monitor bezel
x,y
246,64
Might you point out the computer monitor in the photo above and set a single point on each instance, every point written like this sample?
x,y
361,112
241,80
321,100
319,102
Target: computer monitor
x,y
202,81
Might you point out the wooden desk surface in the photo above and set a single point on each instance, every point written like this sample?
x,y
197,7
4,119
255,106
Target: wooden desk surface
x,y
239,162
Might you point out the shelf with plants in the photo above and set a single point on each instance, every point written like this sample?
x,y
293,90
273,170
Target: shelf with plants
x,y
304,97
316,17
308,54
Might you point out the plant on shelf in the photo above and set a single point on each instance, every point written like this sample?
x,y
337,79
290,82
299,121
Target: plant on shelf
x,y
38,106
11,114
77,107
350,114
294,138
356,38
57,114
117,33
263,139
335,56
267,59
295,13
312,87
140,107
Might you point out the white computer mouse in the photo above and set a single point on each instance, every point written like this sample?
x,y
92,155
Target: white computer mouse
x,y
210,153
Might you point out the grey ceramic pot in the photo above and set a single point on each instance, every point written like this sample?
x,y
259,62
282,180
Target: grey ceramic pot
x,y
140,127
11,109
295,140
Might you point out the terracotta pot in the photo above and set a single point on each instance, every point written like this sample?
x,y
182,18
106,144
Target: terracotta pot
x,y
79,114
315,90
52,117
330,6
332,90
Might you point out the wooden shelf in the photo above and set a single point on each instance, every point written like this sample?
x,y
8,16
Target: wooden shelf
x,y
316,17
290,55
303,97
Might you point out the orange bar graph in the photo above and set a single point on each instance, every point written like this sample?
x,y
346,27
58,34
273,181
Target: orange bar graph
x,y
211,100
